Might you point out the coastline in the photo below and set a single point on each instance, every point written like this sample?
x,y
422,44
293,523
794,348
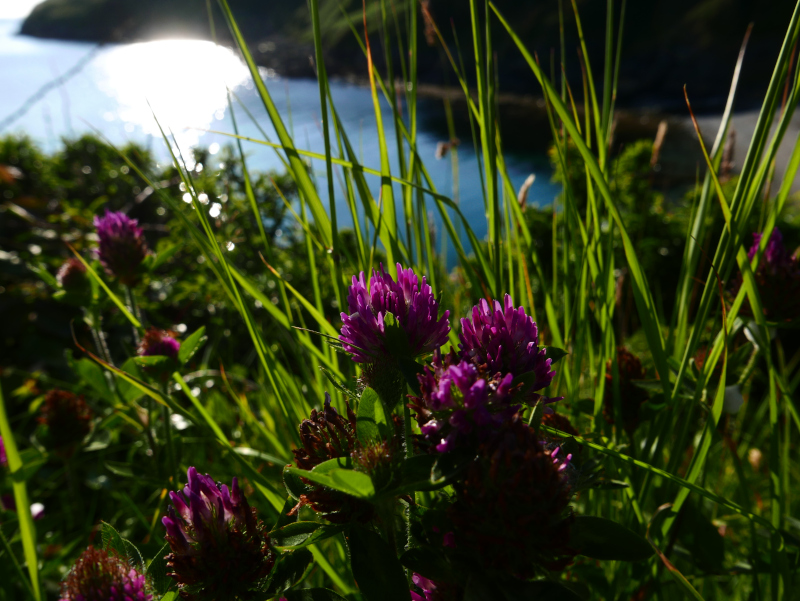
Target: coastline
x,y
523,116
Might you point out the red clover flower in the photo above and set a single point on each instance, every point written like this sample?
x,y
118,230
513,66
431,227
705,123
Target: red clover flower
x,y
777,277
512,508
100,576
461,402
775,254
122,246
219,547
158,342
414,329
505,340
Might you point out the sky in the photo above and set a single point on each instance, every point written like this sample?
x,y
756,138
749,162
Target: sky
x,y
16,9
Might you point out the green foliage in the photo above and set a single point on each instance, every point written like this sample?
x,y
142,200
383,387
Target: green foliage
x,y
250,273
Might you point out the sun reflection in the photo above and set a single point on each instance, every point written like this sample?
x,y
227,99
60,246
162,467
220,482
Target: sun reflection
x,y
183,81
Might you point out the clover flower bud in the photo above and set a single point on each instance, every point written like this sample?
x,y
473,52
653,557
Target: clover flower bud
x,y
328,435
158,342
512,508
381,459
100,576
66,419
631,396
219,547
461,404
3,456
505,340
122,246
71,275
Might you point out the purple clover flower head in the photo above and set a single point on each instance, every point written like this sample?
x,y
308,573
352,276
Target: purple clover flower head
x,y
505,339
461,403
414,328
514,475
122,246
777,277
100,576
219,546
158,342
775,254
3,456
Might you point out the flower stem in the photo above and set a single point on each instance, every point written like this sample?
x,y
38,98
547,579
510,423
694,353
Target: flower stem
x,y
97,334
407,435
386,513
171,458
129,296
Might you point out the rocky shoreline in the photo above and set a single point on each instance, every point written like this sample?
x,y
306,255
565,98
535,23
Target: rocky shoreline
x,y
282,48
668,43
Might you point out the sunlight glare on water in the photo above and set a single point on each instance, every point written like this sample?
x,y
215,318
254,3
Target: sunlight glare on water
x,y
184,82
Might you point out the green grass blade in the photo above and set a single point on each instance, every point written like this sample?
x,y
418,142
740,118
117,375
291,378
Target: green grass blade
x,y
298,168
27,529
711,496
641,289
116,300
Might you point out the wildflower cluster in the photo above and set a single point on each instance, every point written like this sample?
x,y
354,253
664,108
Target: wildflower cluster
x,y
523,488
499,491
426,589
510,505
158,343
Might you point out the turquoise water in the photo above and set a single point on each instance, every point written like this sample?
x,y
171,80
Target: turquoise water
x,y
117,89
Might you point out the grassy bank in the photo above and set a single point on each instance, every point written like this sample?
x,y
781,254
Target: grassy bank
x,y
666,471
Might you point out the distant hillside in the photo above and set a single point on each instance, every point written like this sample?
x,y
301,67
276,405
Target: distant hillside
x,y
668,43
130,20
